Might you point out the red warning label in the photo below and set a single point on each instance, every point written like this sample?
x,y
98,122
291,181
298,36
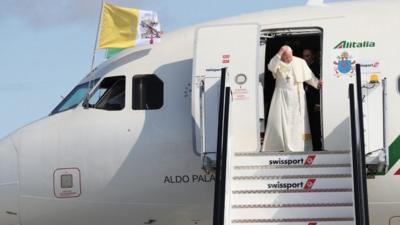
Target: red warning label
x,y
226,58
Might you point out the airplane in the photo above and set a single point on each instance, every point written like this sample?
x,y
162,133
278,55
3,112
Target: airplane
x,y
133,142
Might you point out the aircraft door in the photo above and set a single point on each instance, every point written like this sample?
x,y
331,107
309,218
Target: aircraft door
x,y
236,48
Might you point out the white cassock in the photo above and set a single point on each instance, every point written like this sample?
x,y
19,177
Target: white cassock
x,y
288,127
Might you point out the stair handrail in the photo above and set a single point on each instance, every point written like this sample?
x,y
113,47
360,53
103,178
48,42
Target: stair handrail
x,y
222,141
358,151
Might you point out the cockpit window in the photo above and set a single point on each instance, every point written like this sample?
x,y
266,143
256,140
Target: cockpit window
x,y
74,97
109,95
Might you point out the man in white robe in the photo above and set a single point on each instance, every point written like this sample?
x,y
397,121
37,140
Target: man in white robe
x,y
288,127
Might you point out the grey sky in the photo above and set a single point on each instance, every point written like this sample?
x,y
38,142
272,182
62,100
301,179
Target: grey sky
x,y
44,13
41,14
48,13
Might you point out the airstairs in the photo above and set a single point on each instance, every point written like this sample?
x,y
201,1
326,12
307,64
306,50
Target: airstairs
x,y
267,188
289,188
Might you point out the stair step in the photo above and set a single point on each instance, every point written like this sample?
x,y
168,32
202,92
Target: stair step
x,y
309,222
326,152
291,177
283,191
305,221
292,198
290,213
292,184
290,170
300,205
335,196
291,158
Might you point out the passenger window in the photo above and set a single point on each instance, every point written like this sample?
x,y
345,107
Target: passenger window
x,y
147,92
109,95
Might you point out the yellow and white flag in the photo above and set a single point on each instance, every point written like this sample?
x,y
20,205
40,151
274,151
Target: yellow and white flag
x,y
123,27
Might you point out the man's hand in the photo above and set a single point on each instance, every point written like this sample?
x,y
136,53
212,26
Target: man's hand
x,y
320,84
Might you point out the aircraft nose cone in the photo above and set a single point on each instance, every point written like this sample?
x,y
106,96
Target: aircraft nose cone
x,y
8,183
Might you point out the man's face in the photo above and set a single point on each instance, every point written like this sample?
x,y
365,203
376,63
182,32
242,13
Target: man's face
x,y
308,56
287,57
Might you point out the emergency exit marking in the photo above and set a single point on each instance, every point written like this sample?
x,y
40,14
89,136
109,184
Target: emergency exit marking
x,y
240,94
225,58
67,183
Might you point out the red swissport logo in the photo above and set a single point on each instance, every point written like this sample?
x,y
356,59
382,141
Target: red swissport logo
x,y
397,173
309,160
309,184
312,223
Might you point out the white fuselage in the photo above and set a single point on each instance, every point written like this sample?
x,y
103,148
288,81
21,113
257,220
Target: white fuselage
x,y
139,166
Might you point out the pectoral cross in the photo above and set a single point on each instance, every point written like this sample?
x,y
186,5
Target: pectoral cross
x,y
287,78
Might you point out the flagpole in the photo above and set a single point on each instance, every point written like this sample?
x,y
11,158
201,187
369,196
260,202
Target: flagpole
x,y
97,35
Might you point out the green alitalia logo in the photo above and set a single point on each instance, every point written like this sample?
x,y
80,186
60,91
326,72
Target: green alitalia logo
x,y
355,44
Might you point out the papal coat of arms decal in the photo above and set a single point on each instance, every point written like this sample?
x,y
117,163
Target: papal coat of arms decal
x,y
344,65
